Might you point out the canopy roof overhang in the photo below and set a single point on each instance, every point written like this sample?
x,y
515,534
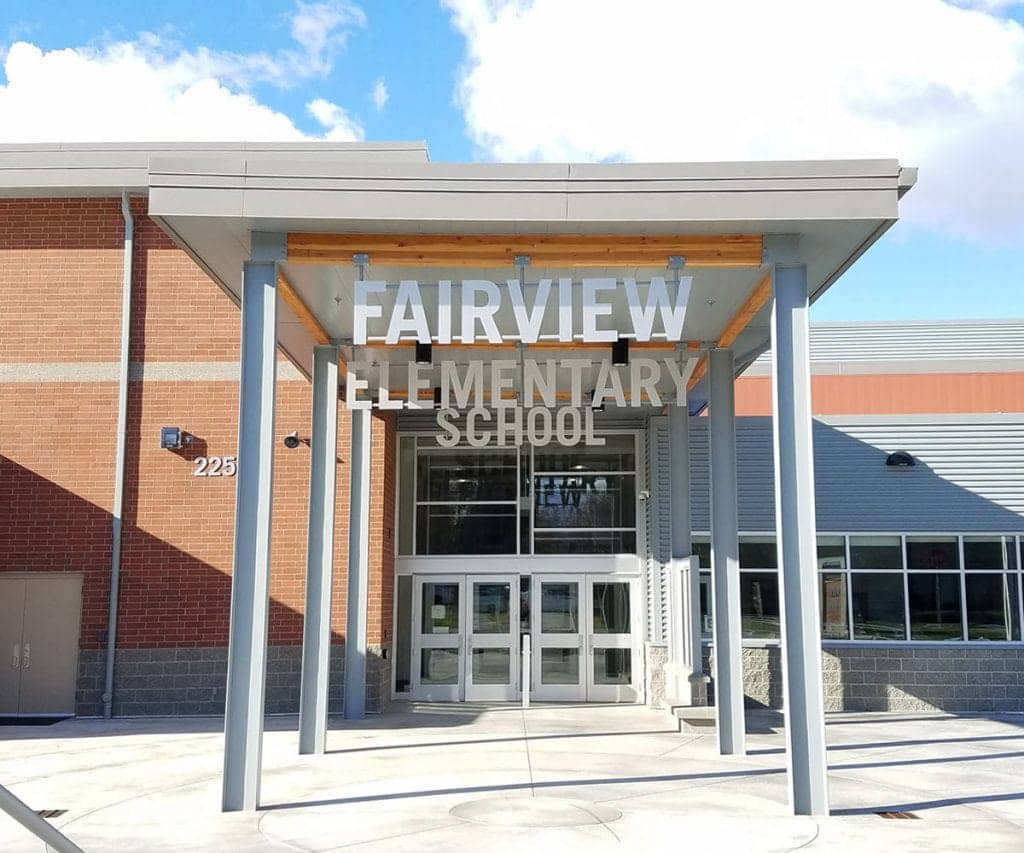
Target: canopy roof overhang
x,y
429,222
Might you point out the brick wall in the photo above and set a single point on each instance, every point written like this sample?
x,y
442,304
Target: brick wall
x,y
60,304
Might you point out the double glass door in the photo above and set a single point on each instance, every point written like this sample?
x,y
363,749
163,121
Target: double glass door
x,y
584,639
466,638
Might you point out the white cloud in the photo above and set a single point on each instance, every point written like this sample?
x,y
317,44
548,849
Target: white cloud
x,y
379,94
339,125
935,85
154,89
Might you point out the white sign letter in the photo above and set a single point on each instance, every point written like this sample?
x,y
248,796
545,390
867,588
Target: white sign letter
x,y
408,296
472,313
592,309
529,322
672,316
362,312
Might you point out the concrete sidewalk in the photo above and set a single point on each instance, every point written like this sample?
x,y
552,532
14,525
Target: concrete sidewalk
x,y
497,778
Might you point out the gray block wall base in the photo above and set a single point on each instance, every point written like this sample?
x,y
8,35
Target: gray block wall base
x,y
956,679
184,681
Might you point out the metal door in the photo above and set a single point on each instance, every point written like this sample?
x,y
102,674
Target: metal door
x,y
558,656
12,613
492,625
438,662
49,654
612,632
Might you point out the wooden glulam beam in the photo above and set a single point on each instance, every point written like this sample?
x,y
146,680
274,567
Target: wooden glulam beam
x,y
484,250
308,319
740,320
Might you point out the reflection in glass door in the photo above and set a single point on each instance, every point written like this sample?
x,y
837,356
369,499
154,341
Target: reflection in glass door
x,y
558,611
492,663
610,652
437,659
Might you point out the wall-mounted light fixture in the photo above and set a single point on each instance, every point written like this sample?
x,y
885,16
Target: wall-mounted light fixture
x,y
174,438
437,398
424,353
620,351
292,440
900,459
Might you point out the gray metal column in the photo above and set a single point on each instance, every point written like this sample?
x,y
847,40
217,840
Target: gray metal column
x,y
795,526
725,578
358,566
247,637
316,629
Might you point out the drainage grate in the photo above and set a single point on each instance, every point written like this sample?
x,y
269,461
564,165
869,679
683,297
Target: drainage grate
x,y
898,815
51,812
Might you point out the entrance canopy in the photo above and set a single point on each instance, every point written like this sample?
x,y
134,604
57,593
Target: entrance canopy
x,y
440,222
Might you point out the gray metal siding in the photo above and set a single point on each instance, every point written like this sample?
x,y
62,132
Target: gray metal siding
x,y
915,341
969,474
658,512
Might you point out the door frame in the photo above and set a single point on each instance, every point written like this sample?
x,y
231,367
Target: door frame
x,y
493,692
420,641
540,641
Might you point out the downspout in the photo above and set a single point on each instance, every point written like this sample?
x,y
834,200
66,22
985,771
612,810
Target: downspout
x,y
122,422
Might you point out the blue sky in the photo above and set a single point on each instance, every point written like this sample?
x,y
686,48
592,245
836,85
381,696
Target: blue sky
x,y
556,80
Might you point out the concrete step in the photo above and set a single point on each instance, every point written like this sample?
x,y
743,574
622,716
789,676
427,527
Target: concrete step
x,y
693,719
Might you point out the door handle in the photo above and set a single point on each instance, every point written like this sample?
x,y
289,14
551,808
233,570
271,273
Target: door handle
x,y
16,656
25,659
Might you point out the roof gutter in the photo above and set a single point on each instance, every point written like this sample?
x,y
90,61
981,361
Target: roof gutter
x,y
119,458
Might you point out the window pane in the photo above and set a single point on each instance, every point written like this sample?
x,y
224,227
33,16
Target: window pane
x,y
706,605
611,608
990,552
758,552
992,609
618,454
934,607
406,492
933,553
831,552
834,621
613,666
759,604
702,550
592,501
559,607
876,552
878,607
560,666
491,608
439,666
440,614
492,666
465,476
585,542
466,529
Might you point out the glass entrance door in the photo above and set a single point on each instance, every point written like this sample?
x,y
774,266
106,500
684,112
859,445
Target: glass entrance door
x,y
611,656
559,608
492,657
437,648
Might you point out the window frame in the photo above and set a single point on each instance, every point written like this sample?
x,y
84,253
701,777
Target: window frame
x,y
1016,539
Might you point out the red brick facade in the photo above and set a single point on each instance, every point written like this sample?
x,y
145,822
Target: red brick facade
x,y
60,306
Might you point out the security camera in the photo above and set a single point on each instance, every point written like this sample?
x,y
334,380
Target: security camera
x,y
291,441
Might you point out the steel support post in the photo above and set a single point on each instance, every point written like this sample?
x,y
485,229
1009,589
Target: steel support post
x,y
247,635
725,582
796,537
316,628
358,566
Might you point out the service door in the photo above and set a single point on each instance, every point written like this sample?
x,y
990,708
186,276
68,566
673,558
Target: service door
x,y
492,655
558,654
12,612
612,665
437,649
49,653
